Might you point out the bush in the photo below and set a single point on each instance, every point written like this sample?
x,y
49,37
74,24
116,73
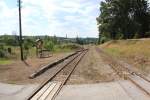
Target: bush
x,y
49,45
2,51
70,46
9,50
103,40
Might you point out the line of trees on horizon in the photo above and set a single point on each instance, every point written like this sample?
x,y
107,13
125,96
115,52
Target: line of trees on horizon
x,y
124,19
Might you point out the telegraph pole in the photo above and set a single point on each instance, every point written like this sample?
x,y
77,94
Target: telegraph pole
x,y
20,30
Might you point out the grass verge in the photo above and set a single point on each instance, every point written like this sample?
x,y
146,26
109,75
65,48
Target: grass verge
x,y
136,52
5,62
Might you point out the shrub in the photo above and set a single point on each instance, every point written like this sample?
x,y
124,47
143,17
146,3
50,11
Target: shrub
x,y
2,51
104,39
49,45
70,46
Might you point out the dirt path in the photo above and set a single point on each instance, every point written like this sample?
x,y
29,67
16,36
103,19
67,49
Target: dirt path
x,y
92,69
18,72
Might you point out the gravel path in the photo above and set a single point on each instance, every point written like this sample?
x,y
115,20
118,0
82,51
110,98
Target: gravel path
x,y
92,69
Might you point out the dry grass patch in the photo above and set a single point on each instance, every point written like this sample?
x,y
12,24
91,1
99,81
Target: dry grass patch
x,y
136,52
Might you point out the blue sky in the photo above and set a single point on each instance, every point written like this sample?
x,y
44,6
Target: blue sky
x,y
51,17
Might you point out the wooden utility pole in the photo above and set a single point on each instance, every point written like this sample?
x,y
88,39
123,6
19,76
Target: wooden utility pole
x,y
20,30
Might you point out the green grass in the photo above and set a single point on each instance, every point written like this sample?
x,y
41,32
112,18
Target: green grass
x,y
5,62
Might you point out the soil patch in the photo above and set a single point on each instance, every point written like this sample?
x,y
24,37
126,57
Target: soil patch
x,y
18,72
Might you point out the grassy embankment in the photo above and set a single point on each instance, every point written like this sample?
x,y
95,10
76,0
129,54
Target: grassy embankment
x,y
136,52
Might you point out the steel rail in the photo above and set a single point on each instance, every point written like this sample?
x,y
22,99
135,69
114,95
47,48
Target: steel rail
x,y
65,81
50,65
48,80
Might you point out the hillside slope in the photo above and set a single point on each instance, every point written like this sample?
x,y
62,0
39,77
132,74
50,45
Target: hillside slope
x,y
135,52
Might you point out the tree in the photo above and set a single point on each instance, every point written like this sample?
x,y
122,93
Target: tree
x,y
124,18
49,43
142,16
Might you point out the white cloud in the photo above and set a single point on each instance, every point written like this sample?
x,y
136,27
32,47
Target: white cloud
x,y
7,18
59,17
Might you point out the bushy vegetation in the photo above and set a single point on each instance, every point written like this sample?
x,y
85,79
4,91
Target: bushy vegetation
x,y
124,19
52,44
9,40
84,41
9,46
6,44
2,51
66,47
49,45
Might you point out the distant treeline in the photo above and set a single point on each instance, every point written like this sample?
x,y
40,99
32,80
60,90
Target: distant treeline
x,y
10,43
124,19
13,40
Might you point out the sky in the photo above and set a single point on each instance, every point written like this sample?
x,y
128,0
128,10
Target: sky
x,y
51,17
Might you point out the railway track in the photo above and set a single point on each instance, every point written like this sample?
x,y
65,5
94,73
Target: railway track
x,y
49,89
122,71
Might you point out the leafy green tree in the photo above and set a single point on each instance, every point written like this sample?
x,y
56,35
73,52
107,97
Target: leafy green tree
x,y
49,43
142,16
124,18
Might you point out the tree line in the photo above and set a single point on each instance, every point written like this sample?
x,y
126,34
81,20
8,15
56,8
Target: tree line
x,y
124,19
9,44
